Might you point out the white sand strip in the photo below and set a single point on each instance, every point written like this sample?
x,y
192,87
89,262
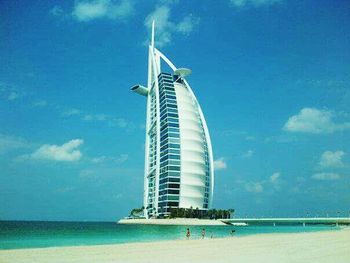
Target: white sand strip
x,y
174,221
312,247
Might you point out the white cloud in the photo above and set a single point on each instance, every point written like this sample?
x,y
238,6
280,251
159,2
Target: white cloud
x,y
71,112
120,159
10,92
13,95
254,187
274,177
100,159
121,123
325,176
220,164
8,143
250,138
242,3
39,103
187,24
272,184
168,1
57,11
2,87
95,117
311,120
332,159
248,154
89,10
282,138
68,152
275,180
165,28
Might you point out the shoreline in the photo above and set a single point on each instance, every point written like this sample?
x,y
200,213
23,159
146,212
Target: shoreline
x,y
320,246
173,222
207,238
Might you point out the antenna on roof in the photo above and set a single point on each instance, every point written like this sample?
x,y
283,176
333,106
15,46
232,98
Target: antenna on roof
x,y
152,37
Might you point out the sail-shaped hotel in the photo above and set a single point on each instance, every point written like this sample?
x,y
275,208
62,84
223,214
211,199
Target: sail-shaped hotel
x,y
179,171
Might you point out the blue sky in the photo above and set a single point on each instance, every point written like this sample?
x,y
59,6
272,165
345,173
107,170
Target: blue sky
x,y
272,77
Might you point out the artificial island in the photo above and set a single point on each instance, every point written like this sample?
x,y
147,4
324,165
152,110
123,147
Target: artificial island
x,y
179,167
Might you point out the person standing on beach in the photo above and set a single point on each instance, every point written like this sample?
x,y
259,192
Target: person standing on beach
x,y
203,233
188,233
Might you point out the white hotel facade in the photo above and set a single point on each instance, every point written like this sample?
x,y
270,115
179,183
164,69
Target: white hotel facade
x,y
179,169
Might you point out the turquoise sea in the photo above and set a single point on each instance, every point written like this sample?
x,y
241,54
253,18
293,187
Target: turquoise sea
x,y
35,234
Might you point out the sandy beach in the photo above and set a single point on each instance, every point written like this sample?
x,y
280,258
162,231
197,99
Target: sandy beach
x,y
320,247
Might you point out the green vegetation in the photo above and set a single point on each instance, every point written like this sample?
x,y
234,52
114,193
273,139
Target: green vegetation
x,y
137,212
190,213
201,214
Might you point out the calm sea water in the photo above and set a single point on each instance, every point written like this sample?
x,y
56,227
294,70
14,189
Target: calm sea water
x,y
27,234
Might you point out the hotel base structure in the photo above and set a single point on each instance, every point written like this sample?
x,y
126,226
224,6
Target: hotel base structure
x,y
179,171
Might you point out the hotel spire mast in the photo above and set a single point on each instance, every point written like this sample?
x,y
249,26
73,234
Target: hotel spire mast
x,y
152,36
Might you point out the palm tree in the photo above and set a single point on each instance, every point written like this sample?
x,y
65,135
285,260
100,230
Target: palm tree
x,y
214,213
196,213
136,212
231,211
191,212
